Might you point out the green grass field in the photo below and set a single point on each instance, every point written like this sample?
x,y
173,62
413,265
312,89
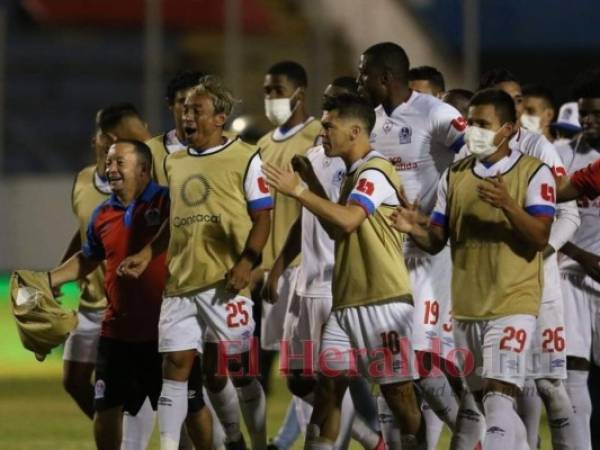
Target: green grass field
x,y
36,414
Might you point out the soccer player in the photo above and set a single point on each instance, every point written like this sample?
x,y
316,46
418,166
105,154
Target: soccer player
x,y
580,273
427,80
311,304
494,208
548,360
372,304
419,134
129,366
174,140
538,110
459,98
123,121
219,223
284,87
161,146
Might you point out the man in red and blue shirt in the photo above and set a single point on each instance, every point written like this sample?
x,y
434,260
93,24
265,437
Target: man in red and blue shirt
x,y
128,367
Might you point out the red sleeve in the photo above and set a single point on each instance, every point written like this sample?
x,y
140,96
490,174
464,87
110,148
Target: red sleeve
x,y
587,180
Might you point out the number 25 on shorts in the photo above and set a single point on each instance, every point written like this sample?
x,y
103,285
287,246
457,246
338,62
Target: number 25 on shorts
x,y
237,314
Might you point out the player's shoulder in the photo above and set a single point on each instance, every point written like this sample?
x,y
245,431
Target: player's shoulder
x,y
463,163
157,143
316,153
86,174
265,139
376,161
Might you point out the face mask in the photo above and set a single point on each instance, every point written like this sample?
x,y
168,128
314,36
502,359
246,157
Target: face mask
x,y
480,142
279,110
531,123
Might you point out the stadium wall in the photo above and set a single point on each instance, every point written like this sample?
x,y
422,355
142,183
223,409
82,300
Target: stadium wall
x,y
37,222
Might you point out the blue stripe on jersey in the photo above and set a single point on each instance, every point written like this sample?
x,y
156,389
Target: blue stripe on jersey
x,y
458,144
363,201
541,210
261,204
439,219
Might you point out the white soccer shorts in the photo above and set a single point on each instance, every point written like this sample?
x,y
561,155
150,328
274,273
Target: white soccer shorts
x,y
581,296
430,279
303,328
82,343
213,315
273,316
493,349
373,340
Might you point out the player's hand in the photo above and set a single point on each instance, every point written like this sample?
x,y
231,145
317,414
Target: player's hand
x,y
239,276
494,192
591,264
133,266
269,290
284,180
407,216
303,167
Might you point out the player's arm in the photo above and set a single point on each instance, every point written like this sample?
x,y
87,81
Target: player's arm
x,y
429,234
337,219
448,127
533,222
259,203
290,250
585,181
589,261
134,265
75,268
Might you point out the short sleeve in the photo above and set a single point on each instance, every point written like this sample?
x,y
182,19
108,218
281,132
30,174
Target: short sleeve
x,y
549,156
587,180
448,127
93,247
256,187
439,215
371,190
541,194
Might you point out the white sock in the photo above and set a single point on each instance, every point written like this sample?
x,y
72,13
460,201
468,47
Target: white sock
x,y
314,441
218,432
520,433
303,412
470,425
578,391
387,424
529,407
346,419
225,404
172,409
253,404
560,414
500,420
138,429
441,398
433,426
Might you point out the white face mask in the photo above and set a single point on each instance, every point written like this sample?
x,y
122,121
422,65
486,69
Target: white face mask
x,y
480,142
279,110
531,123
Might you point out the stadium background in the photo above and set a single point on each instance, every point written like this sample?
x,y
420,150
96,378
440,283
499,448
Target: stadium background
x,y
61,60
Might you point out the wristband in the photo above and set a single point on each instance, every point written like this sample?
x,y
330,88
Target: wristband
x,y
252,256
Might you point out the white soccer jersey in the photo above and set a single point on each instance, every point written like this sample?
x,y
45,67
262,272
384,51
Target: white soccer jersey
x,y
577,155
420,138
316,268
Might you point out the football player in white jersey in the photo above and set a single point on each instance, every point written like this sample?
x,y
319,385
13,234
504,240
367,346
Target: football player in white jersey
x,y
547,365
310,306
419,134
579,268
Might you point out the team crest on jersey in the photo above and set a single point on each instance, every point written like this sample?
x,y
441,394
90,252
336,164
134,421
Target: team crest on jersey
x,y
338,177
405,135
152,217
195,190
387,126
